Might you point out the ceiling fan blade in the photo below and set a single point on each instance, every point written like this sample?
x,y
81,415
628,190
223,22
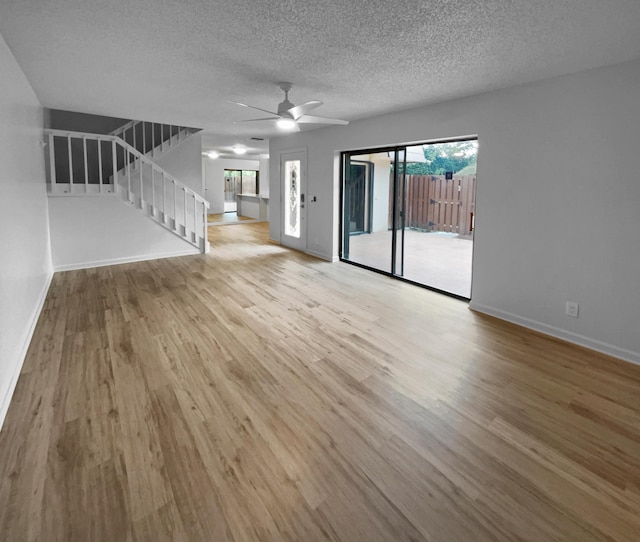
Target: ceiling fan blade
x,y
299,110
255,120
254,107
310,119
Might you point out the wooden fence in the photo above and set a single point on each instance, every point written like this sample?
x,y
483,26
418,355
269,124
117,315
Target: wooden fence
x,y
435,203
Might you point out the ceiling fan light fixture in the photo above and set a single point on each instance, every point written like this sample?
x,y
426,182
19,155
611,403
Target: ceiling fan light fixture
x,y
239,149
289,116
286,124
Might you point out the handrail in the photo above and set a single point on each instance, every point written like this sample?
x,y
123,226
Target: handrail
x,y
124,127
133,151
129,132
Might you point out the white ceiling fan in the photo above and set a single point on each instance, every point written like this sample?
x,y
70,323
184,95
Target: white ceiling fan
x,y
288,115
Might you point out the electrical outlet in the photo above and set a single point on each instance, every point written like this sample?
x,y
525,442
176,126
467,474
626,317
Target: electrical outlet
x,y
572,309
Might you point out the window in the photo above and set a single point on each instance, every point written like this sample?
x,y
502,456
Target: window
x,y
242,181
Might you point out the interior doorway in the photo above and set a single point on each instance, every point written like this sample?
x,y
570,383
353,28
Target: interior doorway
x,y
231,190
239,182
408,211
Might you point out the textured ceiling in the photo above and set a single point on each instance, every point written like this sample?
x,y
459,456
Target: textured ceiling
x,y
178,61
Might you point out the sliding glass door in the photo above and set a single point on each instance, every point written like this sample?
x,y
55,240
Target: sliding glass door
x,y
408,211
369,210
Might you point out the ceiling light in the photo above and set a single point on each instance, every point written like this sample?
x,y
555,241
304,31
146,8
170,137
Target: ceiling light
x,y
213,155
286,124
239,149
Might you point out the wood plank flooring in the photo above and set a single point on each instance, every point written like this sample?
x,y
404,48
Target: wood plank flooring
x,y
256,393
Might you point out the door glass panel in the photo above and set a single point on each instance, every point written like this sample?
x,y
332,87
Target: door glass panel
x,y
292,198
231,184
368,210
439,205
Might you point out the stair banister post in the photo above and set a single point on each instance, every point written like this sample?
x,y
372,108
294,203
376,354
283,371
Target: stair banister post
x,y
86,165
128,165
164,199
70,164
100,162
114,157
184,190
153,190
205,238
141,194
175,204
52,162
195,216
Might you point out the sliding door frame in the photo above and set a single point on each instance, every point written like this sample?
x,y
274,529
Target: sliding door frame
x,y
344,155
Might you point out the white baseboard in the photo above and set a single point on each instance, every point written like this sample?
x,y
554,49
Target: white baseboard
x,y
575,338
319,255
6,400
128,259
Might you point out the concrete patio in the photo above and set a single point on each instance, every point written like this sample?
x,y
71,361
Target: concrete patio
x,y
434,259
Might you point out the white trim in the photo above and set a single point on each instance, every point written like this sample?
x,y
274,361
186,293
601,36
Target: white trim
x,y
128,259
319,255
6,401
575,338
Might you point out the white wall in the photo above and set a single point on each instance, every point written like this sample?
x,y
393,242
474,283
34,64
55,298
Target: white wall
x,y
102,230
264,175
214,178
25,257
249,206
184,163
558,198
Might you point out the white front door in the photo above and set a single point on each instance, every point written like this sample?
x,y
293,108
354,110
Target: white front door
x,y
293,180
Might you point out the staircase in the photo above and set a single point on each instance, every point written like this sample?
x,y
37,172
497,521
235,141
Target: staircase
x,y
121,165
152,138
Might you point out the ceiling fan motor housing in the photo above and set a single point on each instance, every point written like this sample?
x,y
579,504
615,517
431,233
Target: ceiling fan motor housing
x,y
285,105
283,108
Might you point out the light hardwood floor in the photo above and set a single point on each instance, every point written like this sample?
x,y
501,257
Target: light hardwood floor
x,y
256,393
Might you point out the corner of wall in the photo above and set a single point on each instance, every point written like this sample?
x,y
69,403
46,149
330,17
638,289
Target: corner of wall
x,y
26,268
559,333
26,342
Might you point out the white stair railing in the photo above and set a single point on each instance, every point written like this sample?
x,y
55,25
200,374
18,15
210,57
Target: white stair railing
x,y
152,138
92,164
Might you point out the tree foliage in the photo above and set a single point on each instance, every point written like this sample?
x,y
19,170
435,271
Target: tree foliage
x,y
443,157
